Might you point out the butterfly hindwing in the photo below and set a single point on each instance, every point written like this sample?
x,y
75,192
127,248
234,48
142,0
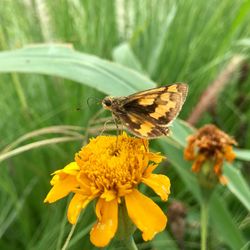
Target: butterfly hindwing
x,y
142,127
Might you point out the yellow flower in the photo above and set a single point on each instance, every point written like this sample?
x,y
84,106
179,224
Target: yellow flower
x,y
110,168
210,144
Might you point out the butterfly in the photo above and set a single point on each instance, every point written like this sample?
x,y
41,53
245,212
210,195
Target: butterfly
x,y
149,113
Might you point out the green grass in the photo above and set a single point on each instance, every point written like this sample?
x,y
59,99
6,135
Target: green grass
x,y
165,41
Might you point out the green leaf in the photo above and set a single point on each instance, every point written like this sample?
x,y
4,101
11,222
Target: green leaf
x,y
163,241
180,130
224,225
174,155
124,55
12,213
105,76
242,154
237,184
161,40
244,42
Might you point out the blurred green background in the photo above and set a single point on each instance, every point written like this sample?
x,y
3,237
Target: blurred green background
x,y
42,86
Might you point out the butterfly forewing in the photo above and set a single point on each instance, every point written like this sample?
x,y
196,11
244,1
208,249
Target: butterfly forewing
x,y
181,88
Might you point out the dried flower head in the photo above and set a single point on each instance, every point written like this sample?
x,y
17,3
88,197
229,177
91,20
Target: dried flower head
x,y
110,169
210,145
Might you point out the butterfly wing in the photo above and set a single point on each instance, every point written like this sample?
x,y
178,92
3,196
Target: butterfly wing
x,y
141,127
149,113
181,88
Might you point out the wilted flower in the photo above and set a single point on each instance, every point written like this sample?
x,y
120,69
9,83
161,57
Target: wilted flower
x,y
109,169
210,145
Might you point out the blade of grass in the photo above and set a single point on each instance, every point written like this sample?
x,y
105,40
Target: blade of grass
x,y
62,61
224,224
237,184
17,208
38,144
124,55
242,154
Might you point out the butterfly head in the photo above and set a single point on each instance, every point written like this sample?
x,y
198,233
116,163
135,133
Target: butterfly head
x,y
107,102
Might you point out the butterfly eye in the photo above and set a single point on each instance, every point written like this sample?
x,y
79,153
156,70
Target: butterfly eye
x,y
107,102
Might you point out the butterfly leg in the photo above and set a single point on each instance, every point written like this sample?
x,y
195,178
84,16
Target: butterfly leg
x,y
143,142
116,121
105,126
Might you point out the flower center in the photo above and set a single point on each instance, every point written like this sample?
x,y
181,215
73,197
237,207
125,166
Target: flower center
x,y
113,163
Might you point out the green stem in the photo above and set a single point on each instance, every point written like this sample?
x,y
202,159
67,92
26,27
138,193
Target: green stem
x,y
66,243
204,224
126,244
131,244
19,91
124,236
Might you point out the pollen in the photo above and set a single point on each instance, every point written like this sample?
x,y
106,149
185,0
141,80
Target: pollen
x,y
114,165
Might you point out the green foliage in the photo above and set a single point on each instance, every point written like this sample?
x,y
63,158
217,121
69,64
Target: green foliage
x,y
166,41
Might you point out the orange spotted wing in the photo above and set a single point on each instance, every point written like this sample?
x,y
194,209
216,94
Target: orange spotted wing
x,y
149,113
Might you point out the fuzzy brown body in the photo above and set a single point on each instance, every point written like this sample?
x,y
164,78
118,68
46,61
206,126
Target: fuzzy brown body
x,y
149,113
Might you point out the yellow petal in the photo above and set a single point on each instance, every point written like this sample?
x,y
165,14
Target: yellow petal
x,y
105,229
63,182
145,214
77,203
61,188
84,180
151,167
108,195
159,183
156,157
71,169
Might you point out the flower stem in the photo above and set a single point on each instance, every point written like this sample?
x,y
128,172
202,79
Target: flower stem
x,y
66,243
125,244
131,244
204,224
124,236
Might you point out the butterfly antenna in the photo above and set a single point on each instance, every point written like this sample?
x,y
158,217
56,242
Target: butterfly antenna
x,y
93,98
88,103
